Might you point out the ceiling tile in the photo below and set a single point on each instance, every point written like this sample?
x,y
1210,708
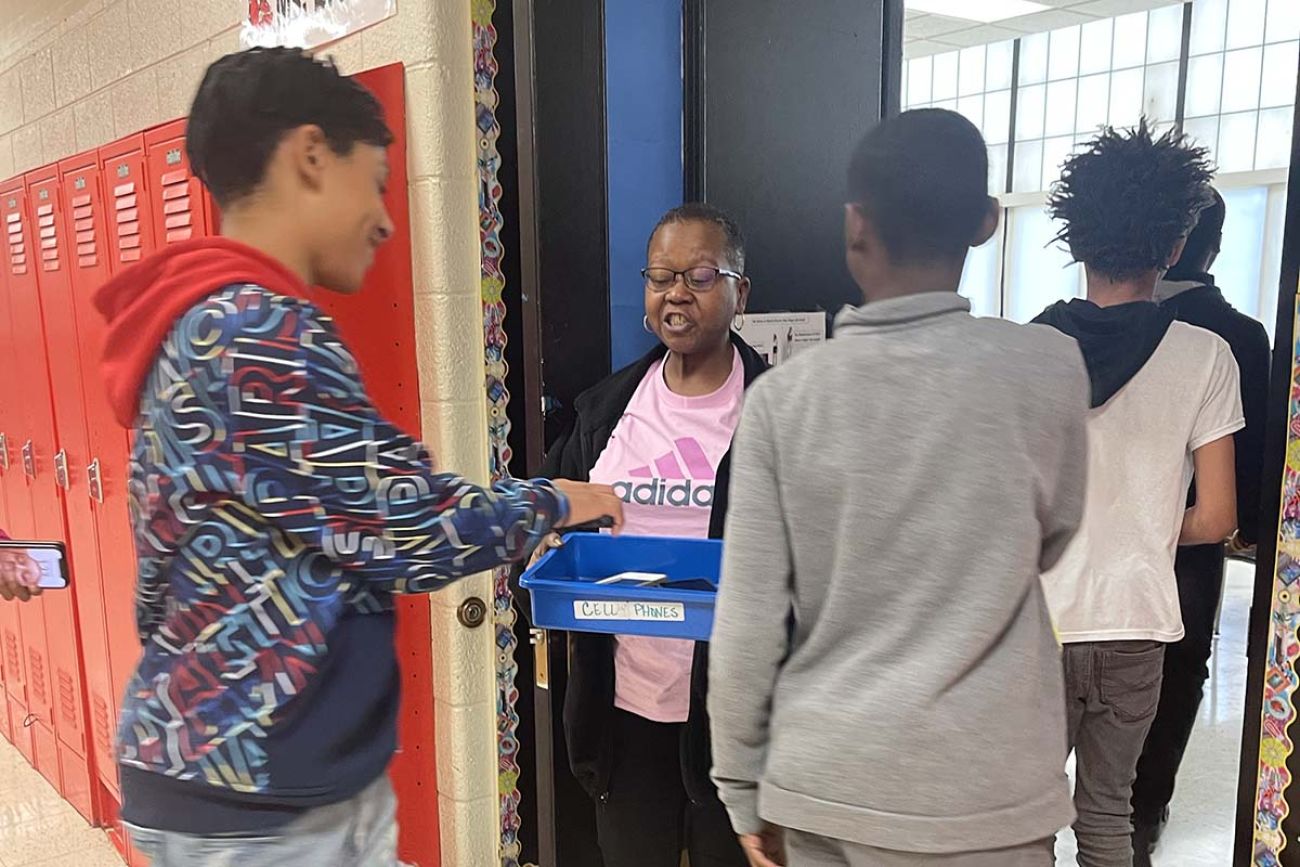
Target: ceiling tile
x,y
981,35
1041,22
924,47
1113,8
927,26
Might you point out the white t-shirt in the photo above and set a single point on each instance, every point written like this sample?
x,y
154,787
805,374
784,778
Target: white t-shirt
x,y
1116,579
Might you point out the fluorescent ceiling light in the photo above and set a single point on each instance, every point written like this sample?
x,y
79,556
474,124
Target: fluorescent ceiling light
x,y
977,10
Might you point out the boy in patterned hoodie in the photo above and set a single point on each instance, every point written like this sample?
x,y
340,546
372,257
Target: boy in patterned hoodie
x,y
276,512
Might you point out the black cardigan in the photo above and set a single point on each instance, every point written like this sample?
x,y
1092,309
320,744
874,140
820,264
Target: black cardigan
x,y
589,699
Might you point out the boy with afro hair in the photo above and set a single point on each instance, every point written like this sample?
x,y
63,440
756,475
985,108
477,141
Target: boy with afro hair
x,y
1165,404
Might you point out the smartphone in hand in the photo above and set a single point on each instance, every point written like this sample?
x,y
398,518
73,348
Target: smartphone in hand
x,y
34,565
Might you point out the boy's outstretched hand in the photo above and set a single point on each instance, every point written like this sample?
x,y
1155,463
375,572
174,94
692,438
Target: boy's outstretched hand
x,y
19,575
590,503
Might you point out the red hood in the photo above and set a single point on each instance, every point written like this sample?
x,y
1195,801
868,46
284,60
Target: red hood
x,y
142,303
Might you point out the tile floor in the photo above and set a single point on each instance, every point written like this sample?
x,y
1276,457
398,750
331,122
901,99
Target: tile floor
x,y
39,829
1200,828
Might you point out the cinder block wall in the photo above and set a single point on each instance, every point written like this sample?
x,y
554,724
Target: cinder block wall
x,y
95,71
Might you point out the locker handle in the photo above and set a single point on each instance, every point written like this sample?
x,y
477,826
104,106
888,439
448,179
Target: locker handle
x,y
30,720
61,469
95,482
29,460
4,452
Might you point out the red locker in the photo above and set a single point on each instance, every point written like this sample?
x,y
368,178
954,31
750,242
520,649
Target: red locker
x,y
33,508
130,228
71,457
129,231
6,401
12,664
181,208
104,489
6,363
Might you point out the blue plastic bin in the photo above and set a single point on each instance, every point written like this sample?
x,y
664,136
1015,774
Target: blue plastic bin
x,y
565,595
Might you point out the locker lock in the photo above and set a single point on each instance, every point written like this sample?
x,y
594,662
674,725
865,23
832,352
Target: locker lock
x,y
472,613
29,459
4,452
61,469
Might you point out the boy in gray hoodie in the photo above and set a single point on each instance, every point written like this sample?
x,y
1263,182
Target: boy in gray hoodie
x,y
885,686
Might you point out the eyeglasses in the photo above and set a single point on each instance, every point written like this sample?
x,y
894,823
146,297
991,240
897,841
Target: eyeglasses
x,y
700,279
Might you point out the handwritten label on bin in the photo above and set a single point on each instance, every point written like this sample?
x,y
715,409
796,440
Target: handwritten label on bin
x,y
662,612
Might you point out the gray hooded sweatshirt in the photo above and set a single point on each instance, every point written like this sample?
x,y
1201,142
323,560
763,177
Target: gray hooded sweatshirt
x,y
883,669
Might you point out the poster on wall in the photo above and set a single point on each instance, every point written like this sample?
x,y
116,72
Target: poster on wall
x,y
309,23
778,337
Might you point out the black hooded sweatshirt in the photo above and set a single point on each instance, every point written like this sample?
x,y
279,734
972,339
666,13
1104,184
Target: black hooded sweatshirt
x,y
1116,341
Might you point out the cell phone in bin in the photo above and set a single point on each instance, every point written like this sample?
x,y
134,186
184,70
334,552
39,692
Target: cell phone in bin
x,y
35,564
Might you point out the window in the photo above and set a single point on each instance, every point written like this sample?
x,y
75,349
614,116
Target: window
x,y
1241,80
1251,258
1239,102
1040,271
981,282
976,82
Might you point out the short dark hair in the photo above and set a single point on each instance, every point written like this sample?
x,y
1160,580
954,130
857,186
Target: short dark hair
x,y
922,178
248,101
1204,241
1129,197
701,212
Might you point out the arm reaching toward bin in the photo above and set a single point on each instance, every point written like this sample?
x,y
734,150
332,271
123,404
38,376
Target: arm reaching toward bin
x,y
352,484
297,444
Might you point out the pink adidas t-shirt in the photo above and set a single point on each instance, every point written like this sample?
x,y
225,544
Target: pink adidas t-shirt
x,y
662,459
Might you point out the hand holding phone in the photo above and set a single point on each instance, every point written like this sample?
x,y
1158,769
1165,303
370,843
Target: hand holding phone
x,y
590,503
19,575
28,568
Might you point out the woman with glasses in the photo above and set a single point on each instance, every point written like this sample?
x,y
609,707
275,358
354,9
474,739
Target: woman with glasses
x,y
659,431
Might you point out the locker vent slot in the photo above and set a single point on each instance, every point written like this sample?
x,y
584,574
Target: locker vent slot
x,y
15,659
83,217
101,718
49,238
68,700
178,214
126,207
14,238
36,670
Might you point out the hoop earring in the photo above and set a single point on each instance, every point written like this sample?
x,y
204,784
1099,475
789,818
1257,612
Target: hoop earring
x,y
738,326
645,323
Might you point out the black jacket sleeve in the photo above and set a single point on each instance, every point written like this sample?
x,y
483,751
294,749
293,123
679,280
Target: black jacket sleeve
x,y
1254,360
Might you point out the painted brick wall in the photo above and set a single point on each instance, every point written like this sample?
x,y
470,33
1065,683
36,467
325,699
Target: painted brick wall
x,y
111,68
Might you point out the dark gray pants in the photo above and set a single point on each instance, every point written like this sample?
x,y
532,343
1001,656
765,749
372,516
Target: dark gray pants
x,y
809,850
1112,689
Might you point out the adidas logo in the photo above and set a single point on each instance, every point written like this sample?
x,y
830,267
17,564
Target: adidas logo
x,y
667,467
666,483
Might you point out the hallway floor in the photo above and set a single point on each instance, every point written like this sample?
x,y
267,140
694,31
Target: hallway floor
x,y
40,829
1200,828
